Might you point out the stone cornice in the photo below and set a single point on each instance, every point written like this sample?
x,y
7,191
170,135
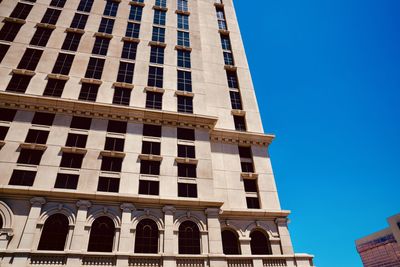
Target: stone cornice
x,y
262,214
241,138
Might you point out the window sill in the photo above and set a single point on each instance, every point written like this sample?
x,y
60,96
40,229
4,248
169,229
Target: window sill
x,y
14,20
74,150
24,72
230,67
184,48
123,85
155,43
91,81
238,112
160,8
103,35
58,76
182,12
219,5
223,32
186,160
249,175
2,143
75,30
112,154
184,93
131,39
134,3
150,157
154,90
40,147
45,26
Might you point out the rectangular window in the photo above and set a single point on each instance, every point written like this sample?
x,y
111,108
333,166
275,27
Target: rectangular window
x,y
184,59
157,55
76,140
114,144
187,170
70,160
250,185
159,17
183,39
108,184
125,72
85,5
111,164
221,19
89,92
184,81
122,96
117,127
187,190
228,58
129,50
21,11
30,156
23,178
66,181
36,137
232,79
111,8
132,30
9,31
80,123
3,51
225,42
95,68
148,187
71,41
185,134
18,83
41,118
150,167
183,5
106,25
51,16
155,77
236,101
154,100
183,22
101,46
185,104
41,36
79,21
151,148
245,152
63,64
30,59
186,151
57,3
7,114
152,130
3,132
252,203
247,167
161,3
240,123
158,34
136,13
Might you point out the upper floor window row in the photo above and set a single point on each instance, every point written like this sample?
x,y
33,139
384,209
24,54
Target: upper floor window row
x,y
111,8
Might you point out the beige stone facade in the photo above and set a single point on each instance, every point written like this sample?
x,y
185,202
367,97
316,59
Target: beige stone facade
x,y
187,152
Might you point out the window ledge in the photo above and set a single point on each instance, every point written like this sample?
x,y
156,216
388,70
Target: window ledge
x,y
15,20
230,67
238,112
186,160
123,85
160,8
45,25
74,150
32,146
182,12
131,39
113,154
2,143
91,81
103,35
24,72
75,30
220,5
224,32
184,93
134,3
58,76
154,89
249,175
150,157
155,43
184,48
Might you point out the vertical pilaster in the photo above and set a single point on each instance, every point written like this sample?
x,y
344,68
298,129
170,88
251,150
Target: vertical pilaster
x,y
126,242
214,231
169,239
31,222
245,245
286,242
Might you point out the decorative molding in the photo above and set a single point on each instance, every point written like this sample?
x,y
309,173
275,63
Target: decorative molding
x,y
249,175
157,44
14,20
75,30
182,12
127,207
130,39
184,48
134,3
150,157
58,76
112,154
154,89
91,81
45,25
32,146
23,72
83,204
223,32
169,210
38,201
238,112
242,138
213,212
103,35
219,5
74,150
184,93
160,8
186,160
230,67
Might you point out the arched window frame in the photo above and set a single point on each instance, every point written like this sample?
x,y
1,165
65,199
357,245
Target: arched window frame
x,y
6,232
156,225
199,237
67,232
228,229
268,238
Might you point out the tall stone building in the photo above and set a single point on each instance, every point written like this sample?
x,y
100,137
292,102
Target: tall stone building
x,y
130,136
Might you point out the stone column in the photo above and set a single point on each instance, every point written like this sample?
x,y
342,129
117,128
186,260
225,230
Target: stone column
x,y
286,242
31,223
245,245
214,238
169,239
126,241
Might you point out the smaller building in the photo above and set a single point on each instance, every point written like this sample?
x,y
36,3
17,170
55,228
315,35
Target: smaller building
x,y
382,248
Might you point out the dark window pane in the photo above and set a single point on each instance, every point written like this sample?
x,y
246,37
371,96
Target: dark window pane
x,y
232,79
236,101
132,30
70,160
187,190
37,137
18,83
117,126
51,16
89,92
122,96
102,232
3,132
54,87
101,46
159,17
247,167
30,156
7,114
95,68
85,5
148,188
186,151
43,118
189,238
158,34
252,203
155,77
30,59
107,184
245,152
111,8
230,243
54,233
111,164
21,11
125,72
58,3
136,13
153,148
157,55
9,31
185,104
183,38
184,81
41,36
184,59
260,244
154,100
240,123
3,51
76,140
187,170
106,25
66,181
146,236
129,50
81,123
24,178
185,134
71,41
150,167
114,144
152,130
250,185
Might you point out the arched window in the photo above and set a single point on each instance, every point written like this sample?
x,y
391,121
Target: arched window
x,y
54,233
146,237
189,238
259,243
1,223
102,235
230,243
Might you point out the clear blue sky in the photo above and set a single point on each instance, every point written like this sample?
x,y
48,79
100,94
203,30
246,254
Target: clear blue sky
x,y
327,77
